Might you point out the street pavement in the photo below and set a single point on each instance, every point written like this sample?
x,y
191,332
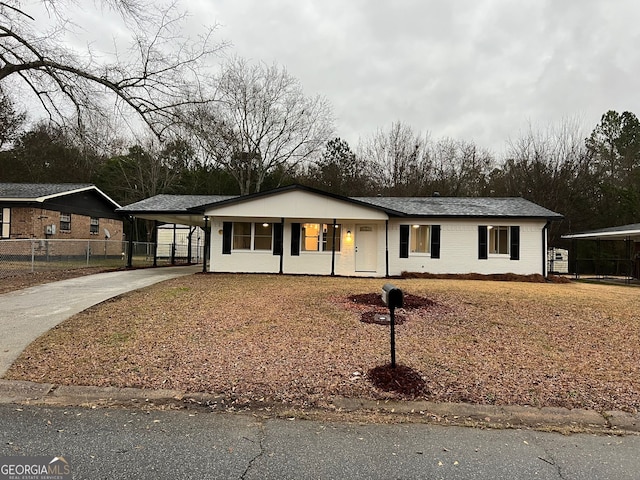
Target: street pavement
x,y
120,443
26,314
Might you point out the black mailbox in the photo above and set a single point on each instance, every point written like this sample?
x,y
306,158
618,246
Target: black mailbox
x,y
392,296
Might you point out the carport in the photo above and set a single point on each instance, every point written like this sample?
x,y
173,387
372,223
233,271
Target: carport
x,y
172,209
627,265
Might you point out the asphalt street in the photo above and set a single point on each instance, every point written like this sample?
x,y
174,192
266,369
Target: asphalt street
x,y
26,314
119,443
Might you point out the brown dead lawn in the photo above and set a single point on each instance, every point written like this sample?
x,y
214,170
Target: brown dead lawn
x,y
300,340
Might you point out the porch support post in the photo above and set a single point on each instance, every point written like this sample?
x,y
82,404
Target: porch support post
x,y
333,250
386,247
155,243
205,253
282,248
132,224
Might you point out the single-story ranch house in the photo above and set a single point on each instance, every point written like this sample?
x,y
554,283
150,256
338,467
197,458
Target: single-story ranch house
x,y
300,230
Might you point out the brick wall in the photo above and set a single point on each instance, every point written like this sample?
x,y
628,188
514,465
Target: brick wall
x,y
32,223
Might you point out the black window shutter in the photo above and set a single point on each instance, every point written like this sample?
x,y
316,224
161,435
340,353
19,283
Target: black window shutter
x,y
277,238
295,239
435,241
515,243
226,237
483,243
404,241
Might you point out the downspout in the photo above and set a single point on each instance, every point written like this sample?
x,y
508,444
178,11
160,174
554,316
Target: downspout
x,y
333,250
205,247
282,246
386,247
545,241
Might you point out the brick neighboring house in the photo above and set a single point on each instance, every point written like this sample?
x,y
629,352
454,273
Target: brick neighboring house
x,y
62,211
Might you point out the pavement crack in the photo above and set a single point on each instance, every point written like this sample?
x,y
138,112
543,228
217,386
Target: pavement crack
x,y
551,461
261,437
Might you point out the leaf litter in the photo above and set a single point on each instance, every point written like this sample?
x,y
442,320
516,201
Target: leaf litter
x,y
301,341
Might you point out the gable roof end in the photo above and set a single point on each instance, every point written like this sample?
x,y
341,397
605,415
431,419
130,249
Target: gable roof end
x,y
40,192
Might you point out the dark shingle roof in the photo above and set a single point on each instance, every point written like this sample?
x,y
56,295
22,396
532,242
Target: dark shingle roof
x,y
38,190
173,203
462,207
470,207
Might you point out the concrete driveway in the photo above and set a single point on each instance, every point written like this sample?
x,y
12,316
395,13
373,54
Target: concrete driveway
x,y
27,314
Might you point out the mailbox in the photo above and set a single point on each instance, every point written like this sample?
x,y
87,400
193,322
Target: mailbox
x,y
392,296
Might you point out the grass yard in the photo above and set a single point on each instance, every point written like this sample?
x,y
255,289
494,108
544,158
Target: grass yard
x,y
301,340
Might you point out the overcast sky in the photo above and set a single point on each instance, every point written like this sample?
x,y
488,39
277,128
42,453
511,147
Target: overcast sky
x,y
475,70
478,70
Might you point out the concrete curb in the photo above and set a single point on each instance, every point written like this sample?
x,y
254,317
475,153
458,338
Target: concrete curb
x,y
20,392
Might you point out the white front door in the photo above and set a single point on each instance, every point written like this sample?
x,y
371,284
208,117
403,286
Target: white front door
x,y
366,244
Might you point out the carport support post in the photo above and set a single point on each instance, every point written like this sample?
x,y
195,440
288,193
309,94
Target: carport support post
x,y
155,243
333,249
130,250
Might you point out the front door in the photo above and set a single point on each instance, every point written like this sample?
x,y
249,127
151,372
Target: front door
x,y
366,244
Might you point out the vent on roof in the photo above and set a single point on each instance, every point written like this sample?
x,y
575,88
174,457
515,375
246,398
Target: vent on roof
x,y
436,194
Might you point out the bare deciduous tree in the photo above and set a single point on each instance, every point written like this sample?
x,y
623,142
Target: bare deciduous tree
x,y
159,72
262,122
398,159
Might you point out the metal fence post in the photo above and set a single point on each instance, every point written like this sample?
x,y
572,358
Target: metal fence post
x,y
33,255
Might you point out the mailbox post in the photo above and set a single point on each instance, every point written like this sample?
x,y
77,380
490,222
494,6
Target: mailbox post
x,y
392,298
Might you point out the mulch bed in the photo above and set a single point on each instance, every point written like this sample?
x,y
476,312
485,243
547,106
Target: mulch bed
x,y
401,380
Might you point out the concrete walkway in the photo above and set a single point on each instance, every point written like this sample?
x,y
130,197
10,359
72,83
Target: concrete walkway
x,y
27,314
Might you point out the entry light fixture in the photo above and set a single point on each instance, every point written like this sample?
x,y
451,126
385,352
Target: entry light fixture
x,y
265,224
416,226
348,234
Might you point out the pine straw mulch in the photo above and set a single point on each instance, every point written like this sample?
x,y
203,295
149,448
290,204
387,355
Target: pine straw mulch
x,y
300,340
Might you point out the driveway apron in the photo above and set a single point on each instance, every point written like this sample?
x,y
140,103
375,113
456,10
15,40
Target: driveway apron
x,y
27,314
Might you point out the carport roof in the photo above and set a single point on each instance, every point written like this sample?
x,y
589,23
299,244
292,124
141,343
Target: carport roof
x,y
622,232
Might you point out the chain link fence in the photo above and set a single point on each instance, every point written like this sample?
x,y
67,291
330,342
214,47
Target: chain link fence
x,y
37,255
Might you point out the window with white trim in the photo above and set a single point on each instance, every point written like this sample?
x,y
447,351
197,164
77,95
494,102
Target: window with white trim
x,y
65,222
498,240
420,239
318,237
252,236
94,226
5,222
